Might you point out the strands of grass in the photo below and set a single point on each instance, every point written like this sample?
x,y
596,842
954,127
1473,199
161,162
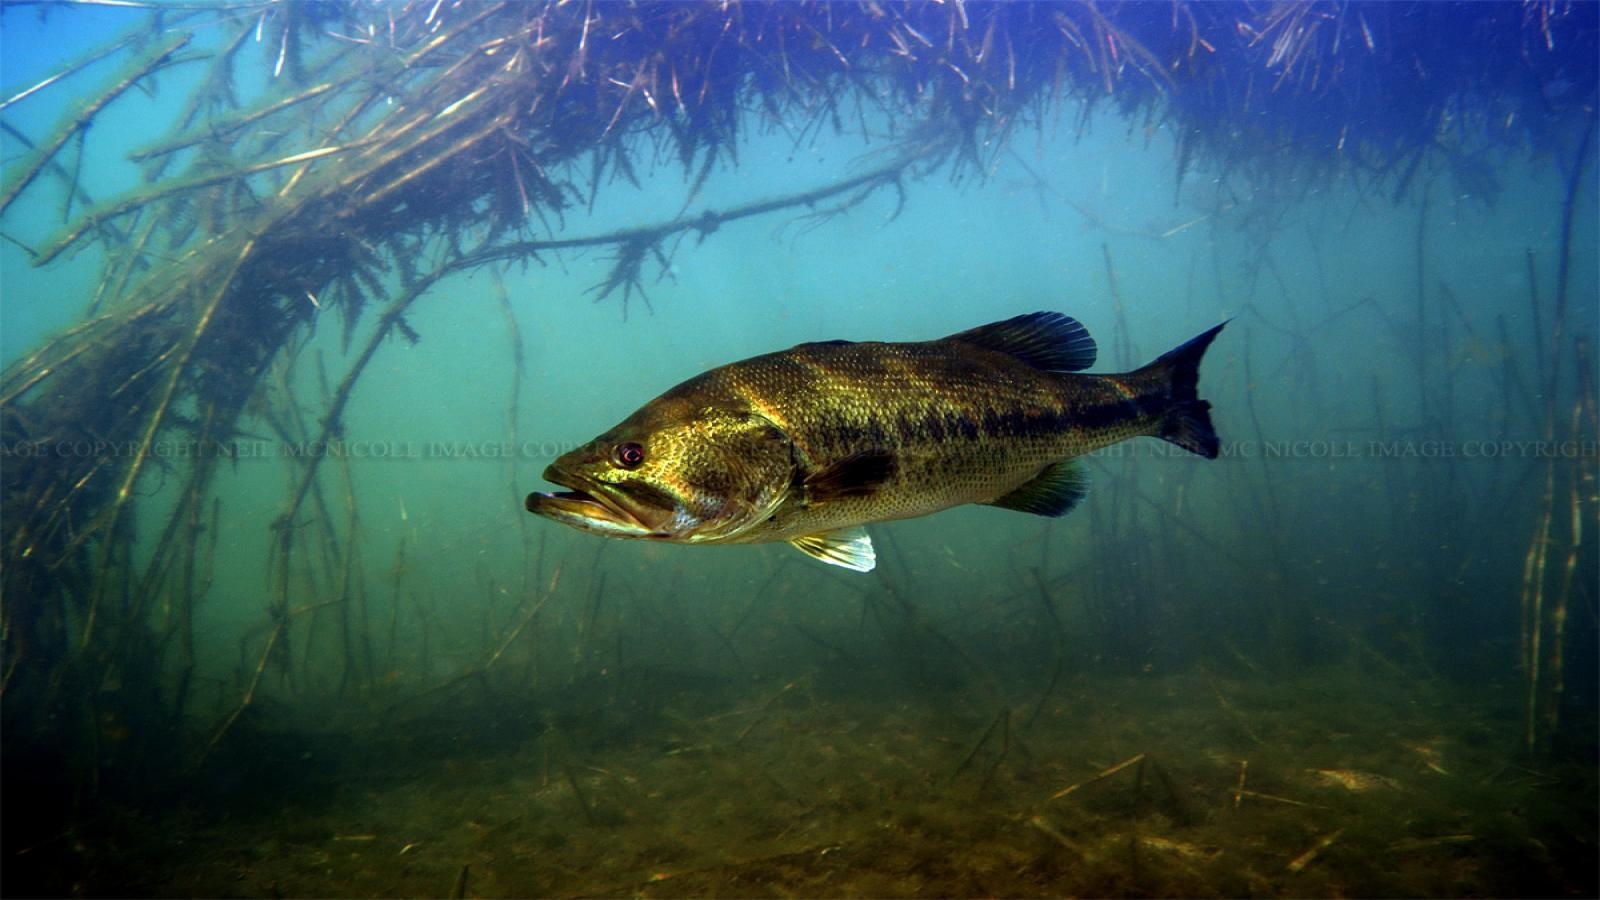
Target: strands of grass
x,y
1543,635
513,411
154,58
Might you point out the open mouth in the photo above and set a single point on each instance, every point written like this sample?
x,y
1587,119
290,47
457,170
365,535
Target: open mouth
x,y
603,509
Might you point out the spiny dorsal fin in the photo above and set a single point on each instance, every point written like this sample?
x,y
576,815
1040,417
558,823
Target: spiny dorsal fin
x,y
1045,340
857,475
1053,492
847,547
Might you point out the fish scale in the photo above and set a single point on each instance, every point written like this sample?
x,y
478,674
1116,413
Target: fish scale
x,y
808,444
967,424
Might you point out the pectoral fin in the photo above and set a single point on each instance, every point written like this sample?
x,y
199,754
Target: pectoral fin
x,y
847,547
1053,492
857,475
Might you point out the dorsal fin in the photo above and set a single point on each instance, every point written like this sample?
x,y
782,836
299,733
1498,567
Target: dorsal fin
x,y
1045,340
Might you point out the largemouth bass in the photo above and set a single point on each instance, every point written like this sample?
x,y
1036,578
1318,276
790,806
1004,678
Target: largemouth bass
x,y
809,444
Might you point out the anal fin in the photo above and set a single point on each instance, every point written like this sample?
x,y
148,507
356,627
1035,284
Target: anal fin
x,y
850,548
1053,492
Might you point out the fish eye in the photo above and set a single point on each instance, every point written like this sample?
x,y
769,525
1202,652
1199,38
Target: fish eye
x,y
630,455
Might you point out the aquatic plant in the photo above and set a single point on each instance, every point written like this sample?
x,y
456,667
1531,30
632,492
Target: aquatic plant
x,y
372,151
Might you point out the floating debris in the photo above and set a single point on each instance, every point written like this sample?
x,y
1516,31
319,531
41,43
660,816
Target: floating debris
x,y
1430,754
1181,848
1306,858
1352,780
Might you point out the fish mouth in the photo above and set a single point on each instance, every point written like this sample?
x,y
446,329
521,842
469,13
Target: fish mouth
x,y
601,508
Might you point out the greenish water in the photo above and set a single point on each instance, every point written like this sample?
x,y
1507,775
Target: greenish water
x,y
1310,652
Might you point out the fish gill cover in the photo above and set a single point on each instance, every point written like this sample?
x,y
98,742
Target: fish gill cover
x,y
225,220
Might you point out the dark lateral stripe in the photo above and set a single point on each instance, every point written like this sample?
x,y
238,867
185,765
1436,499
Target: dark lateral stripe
x,y
938,422
1095,416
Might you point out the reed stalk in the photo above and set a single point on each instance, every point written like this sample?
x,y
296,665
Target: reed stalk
x,y
1543,636
149,62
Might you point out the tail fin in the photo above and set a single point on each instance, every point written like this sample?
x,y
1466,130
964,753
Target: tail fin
x,y
1188,419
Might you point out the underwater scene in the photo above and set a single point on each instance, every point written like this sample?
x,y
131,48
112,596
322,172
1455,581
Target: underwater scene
x,y
1140,449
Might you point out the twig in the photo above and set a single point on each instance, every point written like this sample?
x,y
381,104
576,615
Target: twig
x,y
218,128
555,581
155,420
250,689
96,218
1305,859
46,152
1277,799
705,221
70,70
1104,774
1050,831
577,791
1003,714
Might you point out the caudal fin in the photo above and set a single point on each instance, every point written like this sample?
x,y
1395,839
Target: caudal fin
x,y
1188,419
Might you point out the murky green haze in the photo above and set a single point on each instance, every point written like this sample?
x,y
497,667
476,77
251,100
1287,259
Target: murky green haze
x,y
462,684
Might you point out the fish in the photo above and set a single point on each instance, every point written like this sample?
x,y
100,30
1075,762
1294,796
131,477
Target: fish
x,y
809,445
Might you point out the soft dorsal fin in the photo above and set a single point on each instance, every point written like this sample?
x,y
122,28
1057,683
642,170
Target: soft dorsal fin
x,y
1045,340
847,547
857,475
1053,492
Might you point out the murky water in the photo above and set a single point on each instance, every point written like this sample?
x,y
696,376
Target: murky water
x,y
276,622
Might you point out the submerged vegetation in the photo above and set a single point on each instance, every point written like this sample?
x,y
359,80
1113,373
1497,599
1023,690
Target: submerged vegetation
x,y
348,157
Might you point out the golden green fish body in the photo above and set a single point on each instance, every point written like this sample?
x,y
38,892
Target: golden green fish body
x,y
962,423
806,444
